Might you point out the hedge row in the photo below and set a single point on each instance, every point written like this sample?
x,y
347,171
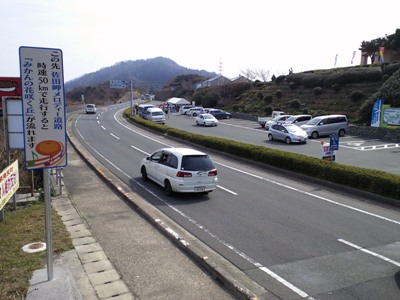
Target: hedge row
x,y
373,181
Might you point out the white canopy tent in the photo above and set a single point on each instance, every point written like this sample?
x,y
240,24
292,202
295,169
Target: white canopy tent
x,y
178,101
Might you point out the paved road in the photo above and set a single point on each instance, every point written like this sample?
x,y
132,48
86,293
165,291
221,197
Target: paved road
x,y
264,222
155,257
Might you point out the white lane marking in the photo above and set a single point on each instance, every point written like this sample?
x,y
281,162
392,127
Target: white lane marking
x,y
140,150
239,126
238,252
313,195
113,135
286,283
225,189
397,264
378,147
102,127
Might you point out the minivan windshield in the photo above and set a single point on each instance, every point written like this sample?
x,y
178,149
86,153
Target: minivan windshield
x,y
314,121
157,113
197,163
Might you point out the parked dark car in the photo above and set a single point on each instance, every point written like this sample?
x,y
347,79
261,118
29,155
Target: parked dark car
x,y
219,113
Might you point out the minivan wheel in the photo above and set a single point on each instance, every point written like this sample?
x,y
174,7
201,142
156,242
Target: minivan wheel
x,y
314,135
288,140
270,137
167,188
342,132
144,174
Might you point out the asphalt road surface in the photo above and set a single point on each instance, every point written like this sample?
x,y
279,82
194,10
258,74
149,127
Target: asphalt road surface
x,y
298,239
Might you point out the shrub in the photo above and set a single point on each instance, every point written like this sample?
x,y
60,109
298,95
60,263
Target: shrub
x,y
312,80
280,79
354,75
336,87
317,90
268,110
292,85
357,95
260,95
268,98
278,94
295,104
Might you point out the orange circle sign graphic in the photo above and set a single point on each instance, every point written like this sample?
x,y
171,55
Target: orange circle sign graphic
x,y
48,148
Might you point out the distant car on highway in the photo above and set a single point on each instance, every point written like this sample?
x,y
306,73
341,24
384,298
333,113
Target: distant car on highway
x,y
180,170
289,133
90,108
206,120
219,113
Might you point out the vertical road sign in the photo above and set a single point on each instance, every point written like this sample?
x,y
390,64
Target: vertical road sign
x,y
43,107
334,142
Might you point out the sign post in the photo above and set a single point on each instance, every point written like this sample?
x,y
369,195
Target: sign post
x,y
44,121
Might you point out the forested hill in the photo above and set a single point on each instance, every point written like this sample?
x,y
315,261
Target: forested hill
x,y
150,74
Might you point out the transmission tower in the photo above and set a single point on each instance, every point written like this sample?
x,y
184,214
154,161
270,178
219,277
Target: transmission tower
x,y
220,67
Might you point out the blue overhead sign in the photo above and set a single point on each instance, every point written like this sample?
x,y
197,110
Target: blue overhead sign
x,y
117,84
334,142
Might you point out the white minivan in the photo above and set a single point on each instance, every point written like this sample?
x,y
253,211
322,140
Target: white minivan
x,y
326,125
155,114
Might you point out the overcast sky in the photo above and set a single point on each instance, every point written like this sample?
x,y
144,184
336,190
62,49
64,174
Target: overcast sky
x,y
227,36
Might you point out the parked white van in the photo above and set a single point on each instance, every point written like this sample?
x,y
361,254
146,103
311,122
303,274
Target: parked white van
x,y
326,125
155,114
142,110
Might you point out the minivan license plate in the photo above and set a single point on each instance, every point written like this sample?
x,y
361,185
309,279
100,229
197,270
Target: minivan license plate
x,y
199,188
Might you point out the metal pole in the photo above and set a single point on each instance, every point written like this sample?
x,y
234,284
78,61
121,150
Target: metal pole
x,y
131,98
49,245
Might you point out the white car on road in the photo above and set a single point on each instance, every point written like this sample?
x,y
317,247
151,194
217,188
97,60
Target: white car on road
x,y
180,170
206,120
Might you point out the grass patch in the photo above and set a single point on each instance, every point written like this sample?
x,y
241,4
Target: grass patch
x,y
20,227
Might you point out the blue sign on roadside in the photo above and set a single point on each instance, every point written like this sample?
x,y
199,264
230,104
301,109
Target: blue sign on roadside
x,y
117,84
334,142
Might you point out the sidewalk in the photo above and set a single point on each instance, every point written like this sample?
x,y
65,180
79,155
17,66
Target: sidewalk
x,y
126,248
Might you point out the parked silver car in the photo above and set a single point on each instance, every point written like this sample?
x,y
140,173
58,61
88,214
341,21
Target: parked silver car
x,y
298,119
289,133
206,120
326,125
276,120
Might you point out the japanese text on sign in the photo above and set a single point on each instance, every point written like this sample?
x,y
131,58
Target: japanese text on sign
x,y
9,183
43,107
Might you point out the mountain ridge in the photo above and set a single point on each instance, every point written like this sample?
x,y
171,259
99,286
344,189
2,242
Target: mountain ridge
x,y
150,74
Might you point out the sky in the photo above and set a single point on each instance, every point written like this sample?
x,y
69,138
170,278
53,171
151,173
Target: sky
x,y
228,37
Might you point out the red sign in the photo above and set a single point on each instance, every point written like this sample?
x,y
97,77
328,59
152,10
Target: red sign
x,y
9,86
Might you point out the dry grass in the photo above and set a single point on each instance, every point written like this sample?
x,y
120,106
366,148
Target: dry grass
x,y
20,227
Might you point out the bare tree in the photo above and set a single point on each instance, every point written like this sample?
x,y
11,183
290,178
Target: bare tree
x,y
249,74
263,74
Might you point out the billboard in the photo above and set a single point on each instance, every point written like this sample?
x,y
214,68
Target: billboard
x,y
9,183
9,86
391,116
43,107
